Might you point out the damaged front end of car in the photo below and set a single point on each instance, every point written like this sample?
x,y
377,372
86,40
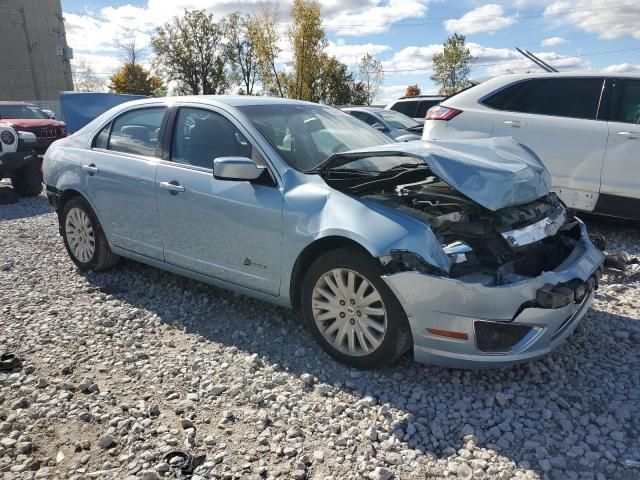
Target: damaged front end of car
x,y
519,269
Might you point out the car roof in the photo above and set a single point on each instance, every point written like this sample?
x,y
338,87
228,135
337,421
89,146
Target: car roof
x,y
216,100
364,109
417,98
518,76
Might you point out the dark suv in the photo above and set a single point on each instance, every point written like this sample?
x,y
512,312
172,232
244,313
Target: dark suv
x,y
29,118
415,107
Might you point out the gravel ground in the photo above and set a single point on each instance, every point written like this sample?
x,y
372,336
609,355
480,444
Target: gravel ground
x,y
124,366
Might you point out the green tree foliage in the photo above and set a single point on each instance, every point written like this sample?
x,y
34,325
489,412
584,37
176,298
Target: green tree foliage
x,y
135,80
190,50
452,66
337,86
240,51
371,75
308,42
263,35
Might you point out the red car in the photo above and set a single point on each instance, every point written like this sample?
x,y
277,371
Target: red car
x,y
29,118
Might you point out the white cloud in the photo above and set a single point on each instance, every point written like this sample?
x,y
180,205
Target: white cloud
x,y
389,93
352,53
602,17
376,18
487,18
552,42
622,68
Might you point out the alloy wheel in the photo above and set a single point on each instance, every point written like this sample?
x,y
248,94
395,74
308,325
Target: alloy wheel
x,y
80,235
349,312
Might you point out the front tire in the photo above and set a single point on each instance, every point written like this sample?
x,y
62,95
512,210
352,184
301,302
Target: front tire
x,y
27,181
351,311
84,238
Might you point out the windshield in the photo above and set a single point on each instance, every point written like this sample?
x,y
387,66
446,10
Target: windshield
x,y
306,135
397,119
28,112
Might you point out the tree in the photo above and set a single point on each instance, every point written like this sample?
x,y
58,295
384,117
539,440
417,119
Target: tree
x,y
337,86
452,66
135,80
412,91
308,41
85,78
263,34
371,75
190,50
241,53
130,52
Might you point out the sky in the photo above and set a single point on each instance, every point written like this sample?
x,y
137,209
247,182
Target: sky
x,y
581,35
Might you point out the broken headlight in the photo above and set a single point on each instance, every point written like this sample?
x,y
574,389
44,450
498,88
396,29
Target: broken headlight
x,y
457,251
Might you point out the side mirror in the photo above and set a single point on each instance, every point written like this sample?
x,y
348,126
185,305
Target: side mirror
x,y
236,168
380,127
27,138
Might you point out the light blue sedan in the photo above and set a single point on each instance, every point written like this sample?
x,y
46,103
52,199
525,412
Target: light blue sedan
x,y
454,249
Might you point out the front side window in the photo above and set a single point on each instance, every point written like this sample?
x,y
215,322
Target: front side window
x,y
201,136
626,101
561,97
136,131
306,135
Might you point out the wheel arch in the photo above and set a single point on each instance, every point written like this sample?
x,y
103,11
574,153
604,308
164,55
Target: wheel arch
x,y
309,254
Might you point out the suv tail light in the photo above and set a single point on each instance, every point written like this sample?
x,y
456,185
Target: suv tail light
x,y
440,112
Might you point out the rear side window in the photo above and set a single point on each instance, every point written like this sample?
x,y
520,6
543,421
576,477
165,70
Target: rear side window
x,y
137,131
366,118
626,102
408,108
423,106
562,97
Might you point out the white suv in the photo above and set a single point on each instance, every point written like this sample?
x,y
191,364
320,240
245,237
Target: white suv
x,y
584,127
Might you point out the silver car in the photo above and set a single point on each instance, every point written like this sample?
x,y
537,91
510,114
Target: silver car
x,y
454,250
394,125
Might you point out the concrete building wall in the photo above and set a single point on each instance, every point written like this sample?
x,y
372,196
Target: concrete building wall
x,y
34,55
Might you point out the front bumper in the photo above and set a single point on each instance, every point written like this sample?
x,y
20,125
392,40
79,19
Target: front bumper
x,y
450,305
12,161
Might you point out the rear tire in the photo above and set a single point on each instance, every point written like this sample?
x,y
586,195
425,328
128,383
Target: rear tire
x,y
27,181
84,238
352,312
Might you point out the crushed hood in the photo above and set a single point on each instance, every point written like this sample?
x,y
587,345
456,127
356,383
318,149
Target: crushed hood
x,y
494,172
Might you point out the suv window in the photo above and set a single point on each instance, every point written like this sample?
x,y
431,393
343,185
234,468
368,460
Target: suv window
x,y
136,131
423,106
562,97
626,101
201,136
407,107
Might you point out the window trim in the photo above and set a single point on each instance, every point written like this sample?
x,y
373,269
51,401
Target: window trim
x,y
170,129
613,108
482,99
110,122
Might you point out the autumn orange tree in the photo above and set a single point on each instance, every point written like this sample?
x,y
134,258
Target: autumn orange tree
x,y
412,91
135,80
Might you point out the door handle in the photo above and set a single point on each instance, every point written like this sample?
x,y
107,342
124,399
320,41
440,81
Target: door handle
x,y
90,169
173,187
515,124
631,135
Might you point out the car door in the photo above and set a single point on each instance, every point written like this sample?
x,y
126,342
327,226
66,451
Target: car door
x,y
120,173
558,119
621,171
229,230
